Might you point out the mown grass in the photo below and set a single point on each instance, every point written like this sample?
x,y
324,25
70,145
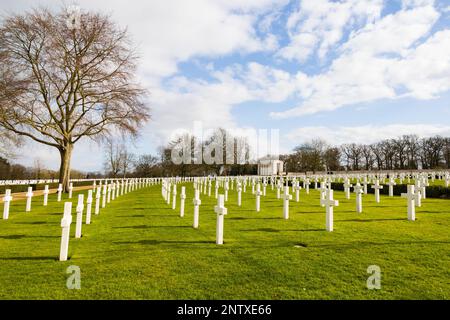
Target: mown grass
x,y
139,248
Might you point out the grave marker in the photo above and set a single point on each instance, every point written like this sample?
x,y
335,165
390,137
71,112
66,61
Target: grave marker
x,y
377,188
221,212
79,222
329,203
29,195
65,235
197,202
6,203
410,198
182,199
286,198
89,207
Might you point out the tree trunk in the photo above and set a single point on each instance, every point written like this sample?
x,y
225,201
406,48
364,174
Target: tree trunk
x,y
64,169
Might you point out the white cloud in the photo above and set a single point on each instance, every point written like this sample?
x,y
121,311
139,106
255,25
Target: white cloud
x,y
382,60
168,32
319,25
365,134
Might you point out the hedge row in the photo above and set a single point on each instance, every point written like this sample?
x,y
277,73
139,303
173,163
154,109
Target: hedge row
x,y
41,186
431,191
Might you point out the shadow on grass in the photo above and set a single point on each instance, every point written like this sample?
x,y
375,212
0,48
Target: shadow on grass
x,y
21,236
253,218
158,242
132,216
28,258
36,222
356,245
13,237
149,227
279,230
371,220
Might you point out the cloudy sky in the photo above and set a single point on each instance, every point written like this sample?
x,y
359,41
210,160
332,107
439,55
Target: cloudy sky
x,y
346,71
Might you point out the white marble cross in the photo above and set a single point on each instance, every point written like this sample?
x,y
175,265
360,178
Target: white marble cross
x,y
377,188
197,202
209,187
97,200
174,199
182,199
424,185
358,189
169,189
297,188
216,189
279,186
60,188
258,194
306,184
239,191
105,187
286,198
46,192
6,202
227,187
29,195
221,212
410,198
70,190
89,207
365,183
65,225
329,203
391,184
113,191
323,189
108,196
79,222
347,186
418,192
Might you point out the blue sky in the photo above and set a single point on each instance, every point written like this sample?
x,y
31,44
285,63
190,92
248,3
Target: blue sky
x,y
344,71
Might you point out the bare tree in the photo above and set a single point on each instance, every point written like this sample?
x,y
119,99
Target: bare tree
x,y
446,152
413,147
127,160
113,157
378,153
401,150
9,143
38,168
66,76
368,156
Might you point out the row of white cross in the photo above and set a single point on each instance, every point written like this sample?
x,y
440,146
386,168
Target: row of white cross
x,y
326,196
111,189
109,193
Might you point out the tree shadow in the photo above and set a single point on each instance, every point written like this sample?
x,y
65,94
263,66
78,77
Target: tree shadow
x,y
149,227
255,218
371,220
132,216
21,236
36,222
45,258
158,242
280,230
372,243
13,237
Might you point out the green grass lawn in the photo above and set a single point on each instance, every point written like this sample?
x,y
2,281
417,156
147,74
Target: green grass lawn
x,y
139,248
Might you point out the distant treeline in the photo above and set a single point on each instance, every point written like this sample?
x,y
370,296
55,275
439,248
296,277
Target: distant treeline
x,y
406,152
